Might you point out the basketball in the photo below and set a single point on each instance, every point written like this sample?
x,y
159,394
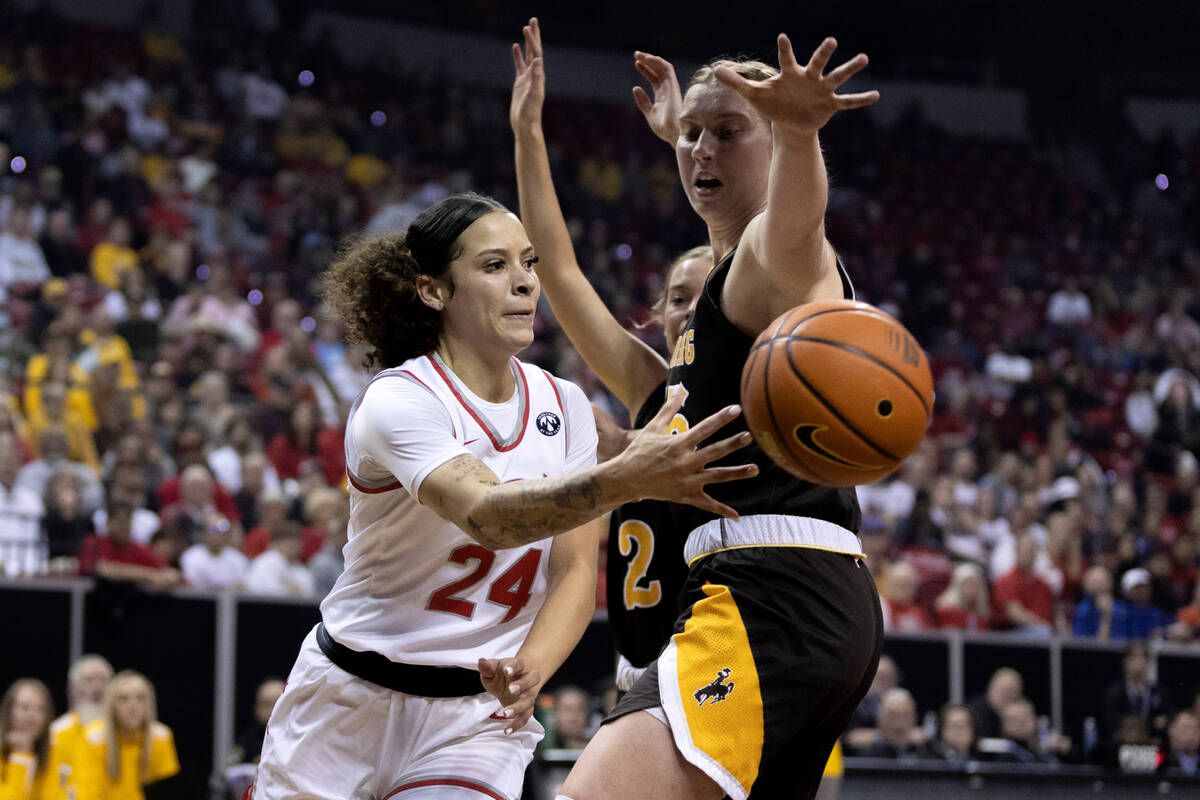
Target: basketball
x,y
837,392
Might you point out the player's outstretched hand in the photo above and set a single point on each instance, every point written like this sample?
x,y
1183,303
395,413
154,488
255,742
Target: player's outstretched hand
x,y
800,98
661,112
664,463
529,83
514,685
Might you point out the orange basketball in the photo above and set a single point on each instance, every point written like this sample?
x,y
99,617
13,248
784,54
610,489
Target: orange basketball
x,y
837,392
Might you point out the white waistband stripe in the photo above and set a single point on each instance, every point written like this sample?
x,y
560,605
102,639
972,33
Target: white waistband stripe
x,y
770,530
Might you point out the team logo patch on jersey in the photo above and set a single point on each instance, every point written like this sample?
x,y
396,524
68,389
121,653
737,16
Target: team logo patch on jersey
x,y
716,691
548,423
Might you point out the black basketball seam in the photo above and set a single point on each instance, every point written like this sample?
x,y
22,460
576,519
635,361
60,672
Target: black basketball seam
x,y
858,351
774,337
775,427
832,410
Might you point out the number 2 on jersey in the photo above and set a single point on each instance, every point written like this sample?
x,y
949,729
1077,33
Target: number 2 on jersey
x,y
511,589
635,533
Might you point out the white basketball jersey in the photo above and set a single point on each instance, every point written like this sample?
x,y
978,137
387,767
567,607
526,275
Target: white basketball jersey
x,y
416,588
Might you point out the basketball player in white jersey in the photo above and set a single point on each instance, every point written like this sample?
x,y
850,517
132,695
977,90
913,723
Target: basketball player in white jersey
x,y
462,462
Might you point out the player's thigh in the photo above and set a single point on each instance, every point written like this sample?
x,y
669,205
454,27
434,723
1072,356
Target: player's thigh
x,y
635,756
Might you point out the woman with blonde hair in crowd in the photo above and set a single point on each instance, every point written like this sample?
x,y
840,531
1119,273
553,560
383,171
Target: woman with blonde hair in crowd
x,y
27,765
127,748
965,603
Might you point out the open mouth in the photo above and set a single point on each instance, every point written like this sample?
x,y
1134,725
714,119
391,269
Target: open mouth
x,y
707,184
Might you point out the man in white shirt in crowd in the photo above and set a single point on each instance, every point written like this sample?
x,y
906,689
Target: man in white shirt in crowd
x,y
278,571
215,563
22,547
22,262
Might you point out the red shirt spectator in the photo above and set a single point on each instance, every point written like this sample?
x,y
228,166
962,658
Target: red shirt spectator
x,y
258,540
1022,598
304,441
98,548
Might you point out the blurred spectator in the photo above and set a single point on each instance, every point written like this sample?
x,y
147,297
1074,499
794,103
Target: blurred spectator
x,y
248,747
1142,619
27,764
1069,307
113,255
278,571
1023,600
241,452
1004,688
22,550
66,523
330,561
213,412
1182,754
214,563
116,557
53,449
1187,625
1096,611
1019,741
307,440
127,748
22,264
87,680
956,735
965,604
58,245
898,736
196,505
900,611
1136,694
572,715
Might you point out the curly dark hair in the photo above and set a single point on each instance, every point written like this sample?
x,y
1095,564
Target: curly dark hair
x,y
372,283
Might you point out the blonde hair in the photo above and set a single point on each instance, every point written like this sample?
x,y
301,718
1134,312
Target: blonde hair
x,y
112,744
952,597
660,305
748,68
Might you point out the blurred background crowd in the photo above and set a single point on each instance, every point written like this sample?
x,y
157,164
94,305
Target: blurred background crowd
x,y
172,390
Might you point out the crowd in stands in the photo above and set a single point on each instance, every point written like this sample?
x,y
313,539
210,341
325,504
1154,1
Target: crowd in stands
x,y
172,390
1138,727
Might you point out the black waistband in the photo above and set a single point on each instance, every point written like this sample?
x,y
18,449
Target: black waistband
x,y
415,679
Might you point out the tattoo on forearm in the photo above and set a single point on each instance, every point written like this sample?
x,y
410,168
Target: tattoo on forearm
x,y
525,511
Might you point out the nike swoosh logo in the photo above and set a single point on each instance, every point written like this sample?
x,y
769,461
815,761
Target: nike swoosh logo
x,y
471,442
496,715
806,436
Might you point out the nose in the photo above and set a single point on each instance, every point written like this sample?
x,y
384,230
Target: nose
x,y
524,281
705,144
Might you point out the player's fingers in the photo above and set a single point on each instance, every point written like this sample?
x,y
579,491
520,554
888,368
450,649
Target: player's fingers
x,y
846,71
487,668
734,81
535,28
669,409
727,474
860,100
719,450
787,56
518,59
512,667
520,717
704,502
710,425
642,100
820,57
523,684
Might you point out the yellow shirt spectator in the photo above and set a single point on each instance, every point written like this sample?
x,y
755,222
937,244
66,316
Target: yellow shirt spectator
x,y
109,261
139,763
66,748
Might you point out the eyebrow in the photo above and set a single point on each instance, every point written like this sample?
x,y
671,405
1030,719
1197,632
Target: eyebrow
x,y
500,251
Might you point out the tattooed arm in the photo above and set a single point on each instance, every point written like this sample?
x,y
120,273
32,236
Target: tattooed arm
x,y
656,464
